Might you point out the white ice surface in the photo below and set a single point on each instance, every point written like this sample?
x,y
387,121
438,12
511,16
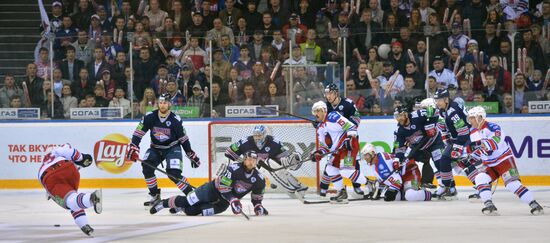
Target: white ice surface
x,y
26,216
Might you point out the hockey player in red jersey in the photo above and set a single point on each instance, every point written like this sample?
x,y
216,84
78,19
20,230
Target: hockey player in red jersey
x,y
337,138
401,180
60,177
497,156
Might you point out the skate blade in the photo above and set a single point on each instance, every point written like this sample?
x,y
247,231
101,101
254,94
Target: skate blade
x,y
493,213
344,201
448,198
474,200
538,213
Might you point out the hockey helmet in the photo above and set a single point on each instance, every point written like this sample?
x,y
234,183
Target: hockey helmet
x,y
250,154
477,111
368,148
165,97
428,102
441,93
259,132
400,109
332,87
318,105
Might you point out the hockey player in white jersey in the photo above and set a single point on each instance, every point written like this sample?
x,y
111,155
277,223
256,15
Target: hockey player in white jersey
x,y
337,138
497,156
402,180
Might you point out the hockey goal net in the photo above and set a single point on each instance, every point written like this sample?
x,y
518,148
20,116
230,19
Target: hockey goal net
x,y
296,136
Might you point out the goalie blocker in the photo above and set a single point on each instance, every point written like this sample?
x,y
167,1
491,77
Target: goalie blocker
x,y
272,157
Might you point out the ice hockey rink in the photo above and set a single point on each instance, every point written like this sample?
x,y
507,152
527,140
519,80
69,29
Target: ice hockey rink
x,y
26,216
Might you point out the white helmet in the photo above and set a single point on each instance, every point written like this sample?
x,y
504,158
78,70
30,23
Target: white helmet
x,y
429,102
318,105
367,149
477,111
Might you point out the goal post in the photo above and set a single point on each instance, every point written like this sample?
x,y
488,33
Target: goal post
x,y
295,135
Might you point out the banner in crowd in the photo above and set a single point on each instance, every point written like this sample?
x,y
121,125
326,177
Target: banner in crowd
x,y
539,106
24,144
96,113
490,107
251,111
182,111
19,113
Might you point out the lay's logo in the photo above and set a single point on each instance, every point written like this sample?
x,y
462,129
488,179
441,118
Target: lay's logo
x,y
110,153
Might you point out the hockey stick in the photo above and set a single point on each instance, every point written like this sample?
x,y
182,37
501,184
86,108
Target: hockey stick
x,y
244,215
164,172
289,114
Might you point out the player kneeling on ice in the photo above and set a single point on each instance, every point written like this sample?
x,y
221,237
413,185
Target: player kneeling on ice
x,y
60,177
497,156
337,138
272,156
226,190
401,180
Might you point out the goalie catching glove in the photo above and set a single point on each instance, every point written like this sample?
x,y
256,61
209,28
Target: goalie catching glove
x,y
292,161
259,210
133,152
236,206
195,160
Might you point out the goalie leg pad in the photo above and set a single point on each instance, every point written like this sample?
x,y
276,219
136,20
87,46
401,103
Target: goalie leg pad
x,y
287,180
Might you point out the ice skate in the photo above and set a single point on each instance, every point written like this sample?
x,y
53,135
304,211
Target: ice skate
x,y
97,201
175,210
536,209
449,194
474,198
340,198
88,230
428,185
154,198
489,209
156,207
359,192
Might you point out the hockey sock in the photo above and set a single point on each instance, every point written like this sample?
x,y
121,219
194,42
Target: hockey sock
x,y
335,177
152,185
183,185
521,191
427,173
325,182
418,195
483,186
471,172
354,182
77,201
80,217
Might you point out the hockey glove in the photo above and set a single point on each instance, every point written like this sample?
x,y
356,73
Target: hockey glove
x,y
236,206
315,124
456,151
86,160
316,156
195,161
133,152
389,196
351,134
259,210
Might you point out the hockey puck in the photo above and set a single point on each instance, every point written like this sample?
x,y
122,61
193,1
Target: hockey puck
x,y
56,225
273,186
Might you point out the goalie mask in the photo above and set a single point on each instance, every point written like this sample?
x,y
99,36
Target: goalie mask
x,y
259,134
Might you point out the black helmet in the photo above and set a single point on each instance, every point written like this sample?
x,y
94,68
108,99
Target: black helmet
x,y
164,97
250,153
400,109
441,93
332,87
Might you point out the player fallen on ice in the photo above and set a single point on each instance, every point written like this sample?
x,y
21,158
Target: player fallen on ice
x,y
273,155
401,179
60,177
225,191
335,102
497,156
168,136
337,138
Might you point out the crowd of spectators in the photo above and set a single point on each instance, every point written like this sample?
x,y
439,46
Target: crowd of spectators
x,y
397,51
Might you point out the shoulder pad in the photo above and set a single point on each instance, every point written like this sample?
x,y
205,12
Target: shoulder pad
x,y
148,113
350,101
234,166
333,116
260,174
177,117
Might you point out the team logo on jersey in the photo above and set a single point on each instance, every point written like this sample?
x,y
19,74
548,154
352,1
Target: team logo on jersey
x,y
341,107
413,126
110,153
160,133
168,123
267,149
253,179
242,187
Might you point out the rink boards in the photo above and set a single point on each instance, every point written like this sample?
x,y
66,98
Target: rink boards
x,y
23,144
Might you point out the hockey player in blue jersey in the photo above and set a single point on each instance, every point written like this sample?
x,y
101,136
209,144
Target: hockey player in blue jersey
x,y
347,109
225,191
168,136
271,154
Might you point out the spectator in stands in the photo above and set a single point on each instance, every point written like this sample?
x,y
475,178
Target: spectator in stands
x,y
64,37
274,96
120,101
472,75
418,77
46,107
444,77
176,96
99,92
230,14
243,34
535,83
84,47
159,82
220,66
389,86
420,57
377,95
257,44
81,18
431,86
407,40
458,39
104,21
82,86
43,65
279,45
15,102
479,97
465,90
219,30
198,100
198,28
208,15
425,10
145,69
505,51
34,84
297,58
259,78
491,92
118,68
374,64
366,32
71,66
55,17
294,26
434,30
125,11
252,17
507,106
149,101
219,100
244,63
409,94
502,76
68,101
268,27
279,14
534,50
310,49
390,32
172,65
95,31
543,41
376,12
58,82
8,90
110,48
108,83
488,40
267,58
397,58
154,13
127,85
194,52
473,54
452,58
99,64
415,29
89,101
249,96
230,51
182,17
476,12
360,79
356,95
522,94
167,33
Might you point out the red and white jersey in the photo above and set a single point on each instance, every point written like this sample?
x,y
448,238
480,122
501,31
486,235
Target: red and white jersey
x,y
383,169
61,153
333,131
490,145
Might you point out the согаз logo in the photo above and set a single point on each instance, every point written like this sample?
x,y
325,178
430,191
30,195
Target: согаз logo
x,y
110,153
